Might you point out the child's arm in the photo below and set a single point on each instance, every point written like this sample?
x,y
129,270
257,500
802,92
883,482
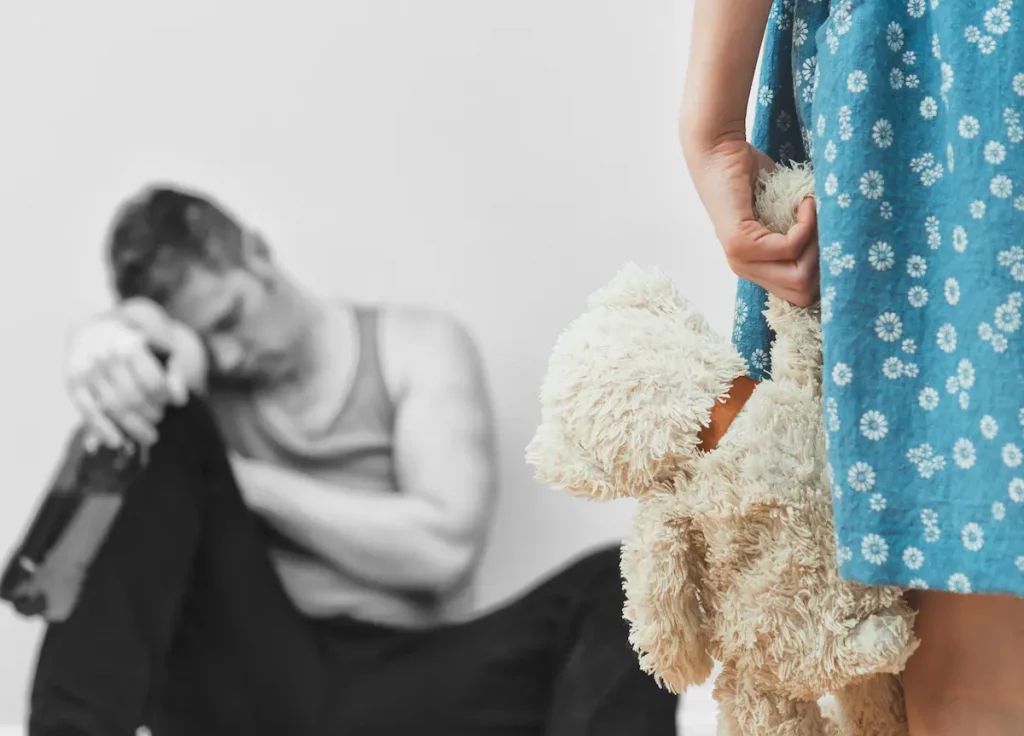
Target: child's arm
x,y
726,41
725,45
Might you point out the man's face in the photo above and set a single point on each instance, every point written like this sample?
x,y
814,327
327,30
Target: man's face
x,y
248,325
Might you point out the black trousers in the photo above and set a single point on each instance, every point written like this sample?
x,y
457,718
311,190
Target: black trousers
x,y
184,626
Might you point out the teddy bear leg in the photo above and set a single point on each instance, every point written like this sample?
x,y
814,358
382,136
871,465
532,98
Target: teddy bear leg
x,y
744,710
872,707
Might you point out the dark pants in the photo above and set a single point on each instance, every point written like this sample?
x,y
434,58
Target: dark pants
x,y
184,626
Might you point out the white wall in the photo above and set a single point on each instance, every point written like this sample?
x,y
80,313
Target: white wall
x,y
507,157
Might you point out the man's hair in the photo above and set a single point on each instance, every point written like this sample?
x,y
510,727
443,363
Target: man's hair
x,y
162,231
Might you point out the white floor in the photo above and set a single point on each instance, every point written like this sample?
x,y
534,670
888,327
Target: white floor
x,y
698,713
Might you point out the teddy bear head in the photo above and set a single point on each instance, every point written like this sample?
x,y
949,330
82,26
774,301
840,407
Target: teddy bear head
x,y
629,387
631,383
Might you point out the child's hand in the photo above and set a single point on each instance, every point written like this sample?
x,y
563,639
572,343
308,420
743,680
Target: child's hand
x,y
786,265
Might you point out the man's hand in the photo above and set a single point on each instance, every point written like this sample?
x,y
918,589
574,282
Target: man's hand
x,y
786,264
116,383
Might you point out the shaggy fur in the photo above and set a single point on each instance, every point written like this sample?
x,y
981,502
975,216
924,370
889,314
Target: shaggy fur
x,y
731,555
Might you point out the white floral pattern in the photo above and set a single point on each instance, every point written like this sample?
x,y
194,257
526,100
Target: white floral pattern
x,y
911,114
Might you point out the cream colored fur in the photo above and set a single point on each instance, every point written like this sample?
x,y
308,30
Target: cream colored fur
x,y
731,555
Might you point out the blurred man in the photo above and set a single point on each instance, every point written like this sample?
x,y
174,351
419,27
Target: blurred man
x,y
299,555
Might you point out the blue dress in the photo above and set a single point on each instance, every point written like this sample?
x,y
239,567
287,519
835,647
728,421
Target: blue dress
x,y
911,114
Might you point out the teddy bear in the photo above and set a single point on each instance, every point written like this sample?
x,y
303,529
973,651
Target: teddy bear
x,y
731,553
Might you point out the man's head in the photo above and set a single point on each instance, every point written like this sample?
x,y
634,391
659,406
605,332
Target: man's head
x,y
185,252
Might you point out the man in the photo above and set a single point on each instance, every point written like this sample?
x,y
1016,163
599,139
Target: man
x,y
298,556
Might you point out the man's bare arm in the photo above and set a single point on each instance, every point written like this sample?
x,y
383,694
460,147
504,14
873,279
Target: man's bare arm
x,y
115,382
429,535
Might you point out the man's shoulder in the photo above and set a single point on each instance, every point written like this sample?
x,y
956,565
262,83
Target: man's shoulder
x,y
411,320
418,343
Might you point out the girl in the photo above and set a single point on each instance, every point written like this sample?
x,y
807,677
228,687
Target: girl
x,y
912,115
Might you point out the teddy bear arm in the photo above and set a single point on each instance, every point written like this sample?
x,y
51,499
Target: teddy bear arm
x,y
796,351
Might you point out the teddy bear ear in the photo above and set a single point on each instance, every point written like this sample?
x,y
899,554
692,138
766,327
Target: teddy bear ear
x,y
636,288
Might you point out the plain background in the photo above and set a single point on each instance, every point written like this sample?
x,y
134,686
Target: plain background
x,y
499,160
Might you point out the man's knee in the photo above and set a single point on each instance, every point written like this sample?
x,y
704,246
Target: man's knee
x,y
192,421
187,435
186,464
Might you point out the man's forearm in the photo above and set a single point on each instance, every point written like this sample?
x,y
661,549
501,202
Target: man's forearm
x,y
388,540
189,361
725,45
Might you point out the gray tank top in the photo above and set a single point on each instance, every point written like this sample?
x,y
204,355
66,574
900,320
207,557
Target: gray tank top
x,y
353,448
351,445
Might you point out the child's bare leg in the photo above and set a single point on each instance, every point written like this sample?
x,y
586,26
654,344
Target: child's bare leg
x,y
968,675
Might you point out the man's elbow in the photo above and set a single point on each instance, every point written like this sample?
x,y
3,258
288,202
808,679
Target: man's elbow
x,y
453,563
